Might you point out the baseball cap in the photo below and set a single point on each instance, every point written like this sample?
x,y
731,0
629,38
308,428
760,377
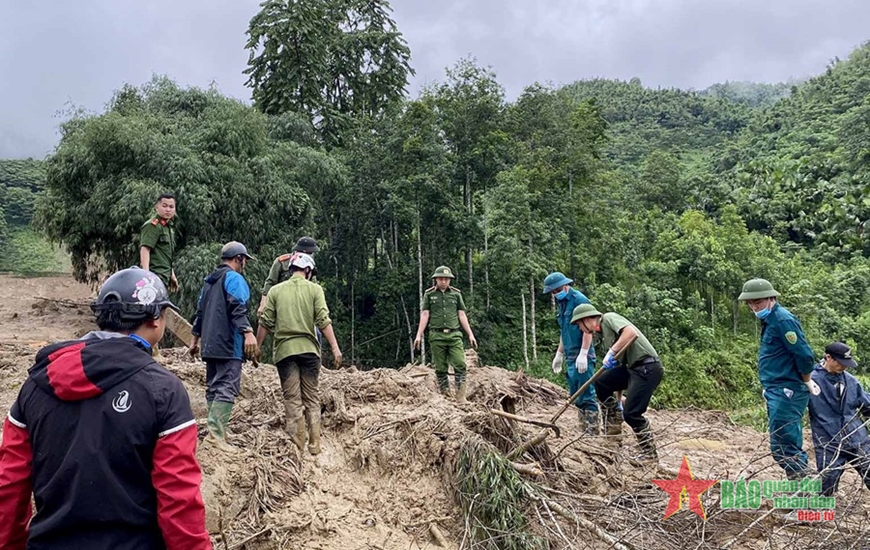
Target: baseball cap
x,y
841,354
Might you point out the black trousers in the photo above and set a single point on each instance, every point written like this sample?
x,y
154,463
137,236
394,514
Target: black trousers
x,y
640,381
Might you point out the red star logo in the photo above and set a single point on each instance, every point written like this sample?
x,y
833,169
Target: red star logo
x,y
685,484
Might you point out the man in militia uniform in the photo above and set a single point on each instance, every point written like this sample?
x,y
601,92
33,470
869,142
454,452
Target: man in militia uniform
x,y
443,310
280,270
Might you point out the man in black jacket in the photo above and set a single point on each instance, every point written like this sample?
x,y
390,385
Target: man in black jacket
x,y
221,327
104,438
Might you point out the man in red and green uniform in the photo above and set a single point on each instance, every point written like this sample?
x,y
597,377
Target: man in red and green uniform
x,y
443,310
157,242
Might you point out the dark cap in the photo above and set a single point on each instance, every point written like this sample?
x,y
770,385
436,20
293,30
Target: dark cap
x,y
841,354
233,249
306,245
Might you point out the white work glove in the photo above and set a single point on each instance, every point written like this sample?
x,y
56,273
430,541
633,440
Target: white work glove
x,y
813,387
582,362
557,362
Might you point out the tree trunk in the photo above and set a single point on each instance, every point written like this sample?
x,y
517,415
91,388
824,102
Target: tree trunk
x,y
534,327
486,258
468,245
525,331
420,289
352,324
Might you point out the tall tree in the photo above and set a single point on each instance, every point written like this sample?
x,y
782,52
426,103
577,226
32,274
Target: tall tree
x,y
332,60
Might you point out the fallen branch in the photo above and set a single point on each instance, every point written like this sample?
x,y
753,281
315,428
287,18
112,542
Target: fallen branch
x,y
249,539
597,531
528,469
519,451
436,534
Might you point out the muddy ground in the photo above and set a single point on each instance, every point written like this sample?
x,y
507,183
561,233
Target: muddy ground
x,y
389,467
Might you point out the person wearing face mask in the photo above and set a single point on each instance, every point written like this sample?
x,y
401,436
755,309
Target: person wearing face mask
x,y
576,347
839,435
785,363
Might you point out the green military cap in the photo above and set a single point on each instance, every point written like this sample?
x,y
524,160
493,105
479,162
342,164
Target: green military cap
x,y
443,271
582,311
754,289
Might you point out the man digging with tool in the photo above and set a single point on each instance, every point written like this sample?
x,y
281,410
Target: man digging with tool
x,y
294,309
639,371
221,324
443,310
575,346
785,365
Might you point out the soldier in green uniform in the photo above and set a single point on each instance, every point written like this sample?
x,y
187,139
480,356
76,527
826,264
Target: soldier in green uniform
x,y
443,310
157,242
280,270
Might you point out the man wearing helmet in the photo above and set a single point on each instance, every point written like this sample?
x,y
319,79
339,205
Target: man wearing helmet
x,y
104,437
221,325
294,310
638,371
443,310
280,270
785,366
576,346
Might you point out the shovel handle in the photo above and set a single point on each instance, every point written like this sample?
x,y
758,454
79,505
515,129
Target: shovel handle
x,y
589,382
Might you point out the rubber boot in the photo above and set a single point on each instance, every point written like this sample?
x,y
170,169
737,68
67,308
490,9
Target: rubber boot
x,y
289,421
647,443
208,407
218,419
581,420
443,384
591,418
314,427
299,435
461,391
612,417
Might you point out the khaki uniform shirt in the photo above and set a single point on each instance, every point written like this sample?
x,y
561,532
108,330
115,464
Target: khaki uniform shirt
x,y
293,309
611,325
159,236
443,308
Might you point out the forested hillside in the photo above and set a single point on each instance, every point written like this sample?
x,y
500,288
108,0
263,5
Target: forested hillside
x,y
659,203
21,249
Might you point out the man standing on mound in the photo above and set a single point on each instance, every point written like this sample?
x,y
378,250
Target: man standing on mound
x,y
294,310
443,310
221,324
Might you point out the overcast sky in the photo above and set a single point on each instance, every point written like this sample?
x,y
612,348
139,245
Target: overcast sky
x,y
60,53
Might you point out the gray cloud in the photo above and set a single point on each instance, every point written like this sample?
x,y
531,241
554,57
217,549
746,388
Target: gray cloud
x,y
78,53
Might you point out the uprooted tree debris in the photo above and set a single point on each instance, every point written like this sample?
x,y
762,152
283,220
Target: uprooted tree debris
x,y
402,467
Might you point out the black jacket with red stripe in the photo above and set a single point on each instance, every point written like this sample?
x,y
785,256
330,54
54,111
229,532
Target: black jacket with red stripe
x,y
105,440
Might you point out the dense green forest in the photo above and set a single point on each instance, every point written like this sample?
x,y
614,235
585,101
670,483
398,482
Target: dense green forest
x,y
658,202
22,250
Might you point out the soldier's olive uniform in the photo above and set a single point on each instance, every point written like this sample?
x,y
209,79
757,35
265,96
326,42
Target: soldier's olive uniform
x,y
158,235
278,273
445,333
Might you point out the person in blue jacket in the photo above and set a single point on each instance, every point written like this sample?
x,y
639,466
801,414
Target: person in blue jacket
x,y
576,347
836,414
222,329
785,362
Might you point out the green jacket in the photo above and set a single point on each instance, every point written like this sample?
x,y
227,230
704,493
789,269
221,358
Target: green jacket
x,y
443,308
158,236
611,326
293,309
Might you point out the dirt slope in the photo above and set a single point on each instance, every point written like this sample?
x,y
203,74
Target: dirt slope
x,y
392,448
